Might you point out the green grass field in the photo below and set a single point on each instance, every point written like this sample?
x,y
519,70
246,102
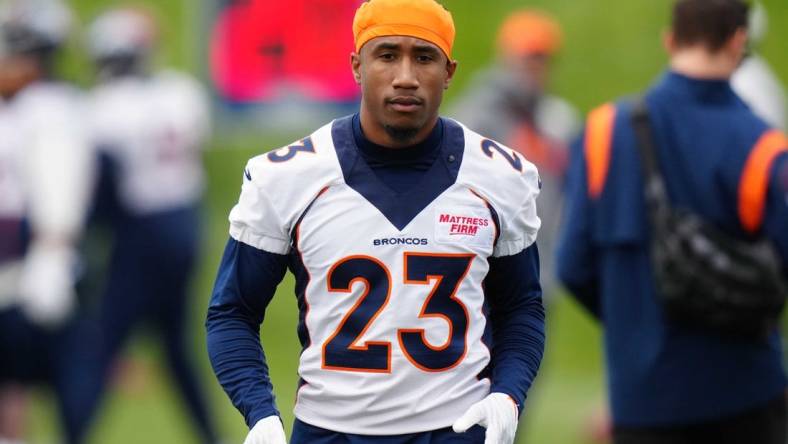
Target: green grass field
x,y
612,48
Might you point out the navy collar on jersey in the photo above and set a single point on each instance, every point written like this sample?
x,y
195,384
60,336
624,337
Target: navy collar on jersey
x,y
399,208
705,90
416,153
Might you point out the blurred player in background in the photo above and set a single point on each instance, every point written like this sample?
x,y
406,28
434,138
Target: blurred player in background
x,y
412,240
670,382
150,128
509,102
755,81
45,180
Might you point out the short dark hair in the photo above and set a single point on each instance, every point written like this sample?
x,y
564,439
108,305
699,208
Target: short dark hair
x,y
708,22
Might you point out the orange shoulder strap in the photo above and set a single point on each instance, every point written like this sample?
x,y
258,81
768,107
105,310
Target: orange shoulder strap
x,y
754,183
599,136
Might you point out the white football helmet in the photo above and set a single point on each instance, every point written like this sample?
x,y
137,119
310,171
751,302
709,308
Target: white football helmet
x,y
119,33
28,26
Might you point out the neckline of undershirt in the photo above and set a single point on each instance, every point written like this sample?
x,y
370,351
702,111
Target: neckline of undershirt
x,y
370,150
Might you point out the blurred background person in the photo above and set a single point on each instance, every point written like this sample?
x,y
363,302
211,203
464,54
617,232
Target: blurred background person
x,y
509,102
672,381
45,180
755,81
760,88
149,127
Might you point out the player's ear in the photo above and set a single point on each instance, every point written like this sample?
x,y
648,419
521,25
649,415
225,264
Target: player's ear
x,y
451,68
355,64
668,41
737,44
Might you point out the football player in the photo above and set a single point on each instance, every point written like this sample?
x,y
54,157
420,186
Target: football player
x,y
45,178
149,128
412,241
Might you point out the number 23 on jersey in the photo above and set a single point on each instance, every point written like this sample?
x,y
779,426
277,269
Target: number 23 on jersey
x,y
342,351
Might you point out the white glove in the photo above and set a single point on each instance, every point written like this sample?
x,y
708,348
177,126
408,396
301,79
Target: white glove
x,y
268,430
46,287
497,413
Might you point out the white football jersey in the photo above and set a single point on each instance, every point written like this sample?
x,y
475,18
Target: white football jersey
x,y
46,170
389,285
12,202
153,128
12,205
58,168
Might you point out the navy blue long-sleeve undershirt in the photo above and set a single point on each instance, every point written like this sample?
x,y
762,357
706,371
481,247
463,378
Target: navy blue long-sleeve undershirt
x,y
248,278
244,287
514,295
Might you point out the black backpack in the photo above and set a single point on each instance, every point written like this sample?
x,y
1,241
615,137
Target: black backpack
x,y
706,278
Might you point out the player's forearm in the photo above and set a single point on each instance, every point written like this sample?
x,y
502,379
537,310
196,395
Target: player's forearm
x,y
517,318
239,363
245,284
518,349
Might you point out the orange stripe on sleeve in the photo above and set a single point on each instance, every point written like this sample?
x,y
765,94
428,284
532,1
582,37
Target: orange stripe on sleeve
x,y
754,183
599,136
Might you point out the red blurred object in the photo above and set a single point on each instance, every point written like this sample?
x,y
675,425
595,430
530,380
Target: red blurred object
x,y
262,50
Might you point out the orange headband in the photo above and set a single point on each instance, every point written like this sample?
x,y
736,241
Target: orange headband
x,y
423,19
529,32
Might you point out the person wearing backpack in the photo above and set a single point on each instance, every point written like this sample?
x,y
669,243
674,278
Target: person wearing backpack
x,y
676,240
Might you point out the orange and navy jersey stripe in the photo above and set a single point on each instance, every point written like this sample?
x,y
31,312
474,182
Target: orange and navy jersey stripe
x,y
754,183
753,186
597,147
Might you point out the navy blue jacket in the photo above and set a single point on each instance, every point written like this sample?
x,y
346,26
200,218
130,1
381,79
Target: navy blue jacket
x,y
660,373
